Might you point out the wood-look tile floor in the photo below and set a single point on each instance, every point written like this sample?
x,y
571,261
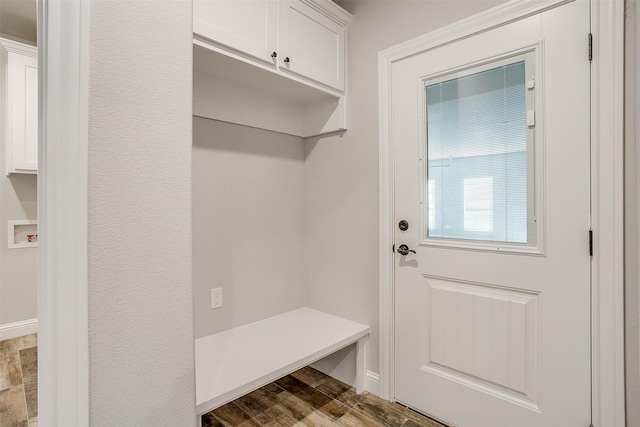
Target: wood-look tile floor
x,y
306,398
19,382
309,398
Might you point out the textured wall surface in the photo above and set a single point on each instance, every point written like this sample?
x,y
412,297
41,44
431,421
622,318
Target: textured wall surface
x,y
140,275
341,172
248,224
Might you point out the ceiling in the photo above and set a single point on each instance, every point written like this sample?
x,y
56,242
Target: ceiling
x,y
18,19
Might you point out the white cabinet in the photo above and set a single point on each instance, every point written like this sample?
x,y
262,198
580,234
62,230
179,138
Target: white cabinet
x,y
271,64
312,44
248,26
19,78
301,37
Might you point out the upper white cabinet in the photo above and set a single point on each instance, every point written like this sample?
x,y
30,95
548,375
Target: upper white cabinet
x,y
305,38
312,42
248,26
19,78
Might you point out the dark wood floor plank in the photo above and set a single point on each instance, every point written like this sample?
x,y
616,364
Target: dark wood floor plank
x,y
297,408
305,414
275,416
31,396
303,391
339,391
251,404
425,422
318,419
334,409
209,420
231,415
13,410
357,419
29,362
380,410
10,369
309,376
372,406
19,343
416,418
268,394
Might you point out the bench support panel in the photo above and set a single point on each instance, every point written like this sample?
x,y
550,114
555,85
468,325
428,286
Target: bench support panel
x,y
361,363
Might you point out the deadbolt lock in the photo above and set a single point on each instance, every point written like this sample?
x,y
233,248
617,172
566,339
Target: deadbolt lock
x,y
403,225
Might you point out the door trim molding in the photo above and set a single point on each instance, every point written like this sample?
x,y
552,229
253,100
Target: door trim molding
x,y
607,205
607,190
63,346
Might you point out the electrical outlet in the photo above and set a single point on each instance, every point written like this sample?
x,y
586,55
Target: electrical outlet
x,y
216,298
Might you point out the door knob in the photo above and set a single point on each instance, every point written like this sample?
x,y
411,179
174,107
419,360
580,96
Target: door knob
x,y
404,250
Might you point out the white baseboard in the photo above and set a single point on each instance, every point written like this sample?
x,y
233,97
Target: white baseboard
x,y
18,329
372,383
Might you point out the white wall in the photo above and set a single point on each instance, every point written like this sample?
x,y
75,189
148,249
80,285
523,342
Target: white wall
x,y
18,19
18,267
141,356
248,224
341,172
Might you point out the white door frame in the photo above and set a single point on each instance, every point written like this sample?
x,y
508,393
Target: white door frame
x,y
63,348
607,190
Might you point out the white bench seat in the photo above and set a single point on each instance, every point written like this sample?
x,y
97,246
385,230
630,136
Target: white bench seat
x,y
233,363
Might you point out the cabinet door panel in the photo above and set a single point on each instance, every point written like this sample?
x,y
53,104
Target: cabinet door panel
x,y
249,26
23,113
314,44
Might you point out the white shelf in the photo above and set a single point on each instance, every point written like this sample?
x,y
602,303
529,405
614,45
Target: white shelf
x,y
233,363
231,88
214,62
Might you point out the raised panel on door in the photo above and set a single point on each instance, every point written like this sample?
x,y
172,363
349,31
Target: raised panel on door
x,y
249,26
22,116
313,44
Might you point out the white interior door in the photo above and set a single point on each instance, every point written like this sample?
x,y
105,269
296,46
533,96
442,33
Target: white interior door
x,y
492,175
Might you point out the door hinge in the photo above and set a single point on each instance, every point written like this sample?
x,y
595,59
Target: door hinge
x,y
590,47
393,249
590,242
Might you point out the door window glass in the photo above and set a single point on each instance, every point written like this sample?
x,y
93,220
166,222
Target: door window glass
x,y
431,210
479,151
478,205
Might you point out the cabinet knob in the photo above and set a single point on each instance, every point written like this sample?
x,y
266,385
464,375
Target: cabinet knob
x,y
287,60
274,55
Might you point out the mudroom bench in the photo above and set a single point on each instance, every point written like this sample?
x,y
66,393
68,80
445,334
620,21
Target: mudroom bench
x,y
235,362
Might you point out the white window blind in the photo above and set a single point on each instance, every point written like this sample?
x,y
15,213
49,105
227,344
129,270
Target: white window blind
x,y
477,156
